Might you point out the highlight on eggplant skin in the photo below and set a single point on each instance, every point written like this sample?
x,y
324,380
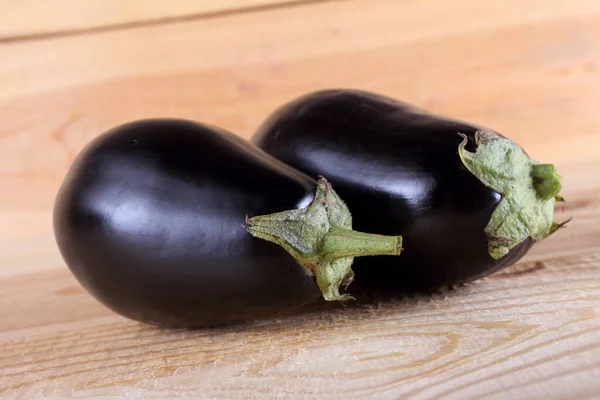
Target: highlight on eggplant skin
x,y
177,223
402,169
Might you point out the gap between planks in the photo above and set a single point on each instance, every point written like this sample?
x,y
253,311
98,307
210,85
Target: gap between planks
x,y
20,34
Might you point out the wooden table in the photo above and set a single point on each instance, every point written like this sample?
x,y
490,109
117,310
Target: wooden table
x,y
70,69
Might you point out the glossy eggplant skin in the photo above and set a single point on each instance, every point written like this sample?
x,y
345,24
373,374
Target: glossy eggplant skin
x,y
398,169
149,219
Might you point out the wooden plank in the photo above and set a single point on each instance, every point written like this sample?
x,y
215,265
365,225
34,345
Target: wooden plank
x,y
32,18
533,331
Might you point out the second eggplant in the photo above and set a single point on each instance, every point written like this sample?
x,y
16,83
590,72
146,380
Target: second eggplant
x,y
467,200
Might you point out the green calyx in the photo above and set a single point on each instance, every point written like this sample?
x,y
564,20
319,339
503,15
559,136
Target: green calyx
x,y
320,237
529,191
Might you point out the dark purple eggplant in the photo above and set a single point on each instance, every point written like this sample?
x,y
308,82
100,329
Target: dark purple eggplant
x,y
467,200
151,219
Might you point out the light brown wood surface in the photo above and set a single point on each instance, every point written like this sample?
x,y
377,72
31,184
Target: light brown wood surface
x,y
528,68
31,19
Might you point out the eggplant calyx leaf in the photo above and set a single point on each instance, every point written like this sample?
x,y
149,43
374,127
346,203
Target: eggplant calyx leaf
x,y
320,237
529,190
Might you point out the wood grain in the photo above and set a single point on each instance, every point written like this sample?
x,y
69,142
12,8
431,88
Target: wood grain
x,y
528,68
504,337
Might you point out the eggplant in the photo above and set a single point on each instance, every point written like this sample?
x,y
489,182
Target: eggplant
x,y
153,220
467,200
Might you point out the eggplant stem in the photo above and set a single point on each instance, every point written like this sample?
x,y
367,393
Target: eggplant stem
x,y
342,243
320,237
529,191
546,181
